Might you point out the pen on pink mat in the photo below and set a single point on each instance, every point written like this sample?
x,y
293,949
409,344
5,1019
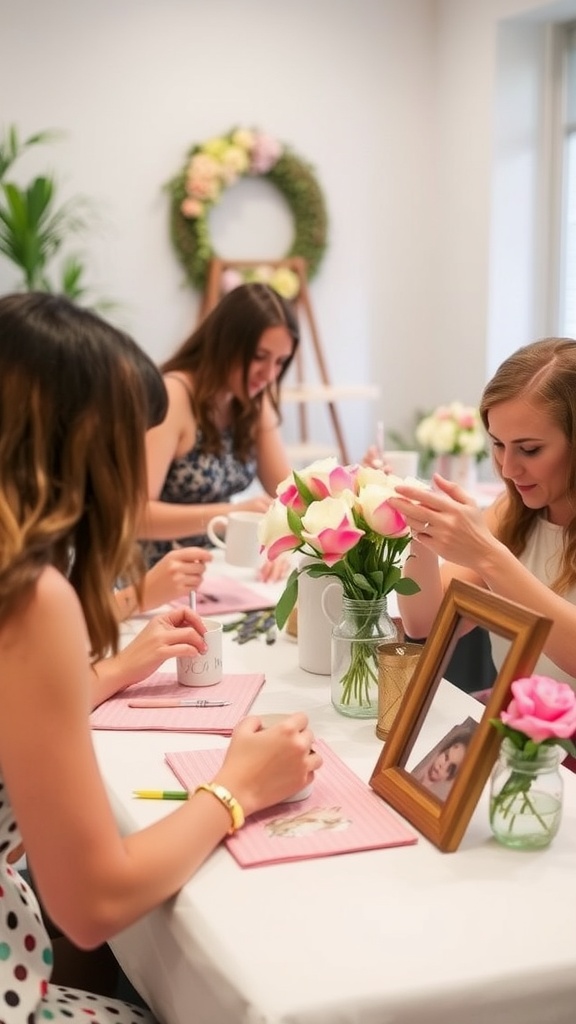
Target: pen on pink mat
x,y
176,702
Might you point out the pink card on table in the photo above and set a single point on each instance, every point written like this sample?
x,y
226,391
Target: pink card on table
x,y
341,815
221,595
240,690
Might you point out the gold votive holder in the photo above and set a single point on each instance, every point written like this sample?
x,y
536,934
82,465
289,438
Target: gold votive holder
x,y
396,664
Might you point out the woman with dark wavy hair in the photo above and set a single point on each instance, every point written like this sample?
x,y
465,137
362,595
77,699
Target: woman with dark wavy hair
x,y
524,546
222,426
73,414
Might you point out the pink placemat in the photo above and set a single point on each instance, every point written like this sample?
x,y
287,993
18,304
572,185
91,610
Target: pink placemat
x,y
220,595
241,690
341,815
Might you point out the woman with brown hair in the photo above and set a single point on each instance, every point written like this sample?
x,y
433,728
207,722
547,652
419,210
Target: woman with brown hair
x,y
524,546
222,426
73,413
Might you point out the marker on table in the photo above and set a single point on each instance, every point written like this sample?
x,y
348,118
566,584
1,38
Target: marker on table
x,y
161,794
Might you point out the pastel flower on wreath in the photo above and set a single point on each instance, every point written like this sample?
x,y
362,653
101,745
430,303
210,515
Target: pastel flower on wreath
x,y
244,138
329,528
234,162
215,147
191,207
265,153
203,178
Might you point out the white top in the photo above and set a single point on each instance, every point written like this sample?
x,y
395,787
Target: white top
x,y
542,556
407,935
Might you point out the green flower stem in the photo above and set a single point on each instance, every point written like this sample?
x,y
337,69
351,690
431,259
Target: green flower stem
x,y
361,675
517,784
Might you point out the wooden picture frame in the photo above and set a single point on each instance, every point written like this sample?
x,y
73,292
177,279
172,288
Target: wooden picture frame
x,y
444,821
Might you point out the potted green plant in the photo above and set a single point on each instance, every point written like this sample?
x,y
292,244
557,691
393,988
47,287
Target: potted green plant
x,y
34,227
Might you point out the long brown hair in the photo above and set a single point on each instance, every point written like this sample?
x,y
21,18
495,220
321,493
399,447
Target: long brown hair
x,y
226,338
545,373
76,397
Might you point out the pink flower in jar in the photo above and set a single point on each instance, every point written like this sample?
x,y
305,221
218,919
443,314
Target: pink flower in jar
x,y
542,709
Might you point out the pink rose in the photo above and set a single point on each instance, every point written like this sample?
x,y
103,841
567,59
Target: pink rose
x,y
542,709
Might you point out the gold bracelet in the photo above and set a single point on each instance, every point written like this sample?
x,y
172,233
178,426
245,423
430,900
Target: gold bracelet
x,y
230,803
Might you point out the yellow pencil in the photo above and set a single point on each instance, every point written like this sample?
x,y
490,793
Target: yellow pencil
x,y
161,794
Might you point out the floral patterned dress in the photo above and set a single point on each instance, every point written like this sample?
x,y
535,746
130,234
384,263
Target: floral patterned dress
x,y
201,478
26,996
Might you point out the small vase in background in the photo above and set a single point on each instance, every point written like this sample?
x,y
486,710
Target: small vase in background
x,y
362,627
461,469
526,797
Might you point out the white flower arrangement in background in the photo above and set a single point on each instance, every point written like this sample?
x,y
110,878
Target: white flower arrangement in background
x,y
453,429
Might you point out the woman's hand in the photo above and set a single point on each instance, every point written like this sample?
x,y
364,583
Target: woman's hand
x,y
263,766
445,520
275,569
261,503
373,459
175,575
177,633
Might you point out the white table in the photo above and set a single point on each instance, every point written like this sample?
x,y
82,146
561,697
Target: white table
x,y
400,936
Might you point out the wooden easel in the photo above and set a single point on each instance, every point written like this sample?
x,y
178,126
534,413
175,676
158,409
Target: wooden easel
x,y
212,294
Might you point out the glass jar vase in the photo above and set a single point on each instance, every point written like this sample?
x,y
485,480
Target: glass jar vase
x,y
526,796
362,627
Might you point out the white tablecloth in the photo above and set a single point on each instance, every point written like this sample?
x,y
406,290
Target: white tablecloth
x,y
400,936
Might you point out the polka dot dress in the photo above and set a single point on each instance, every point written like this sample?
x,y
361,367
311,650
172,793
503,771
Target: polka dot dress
x,y
26,997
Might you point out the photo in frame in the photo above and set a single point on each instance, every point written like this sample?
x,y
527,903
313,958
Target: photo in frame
x,y
442,813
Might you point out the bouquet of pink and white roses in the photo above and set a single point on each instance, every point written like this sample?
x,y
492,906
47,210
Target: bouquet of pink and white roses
x,y
340,516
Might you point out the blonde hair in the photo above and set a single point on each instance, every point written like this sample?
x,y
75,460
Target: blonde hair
x,y
75,403
545,373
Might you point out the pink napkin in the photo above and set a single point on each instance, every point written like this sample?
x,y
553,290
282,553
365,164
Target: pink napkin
x,y
341,815
241,690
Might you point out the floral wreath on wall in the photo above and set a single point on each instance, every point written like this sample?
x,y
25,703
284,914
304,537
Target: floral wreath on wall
x,y
213,166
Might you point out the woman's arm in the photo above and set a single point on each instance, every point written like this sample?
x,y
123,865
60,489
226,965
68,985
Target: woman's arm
x,y
464,537
95,882
175,575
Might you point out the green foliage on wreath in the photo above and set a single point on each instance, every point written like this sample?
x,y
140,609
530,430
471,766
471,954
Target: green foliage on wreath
x,y
293,177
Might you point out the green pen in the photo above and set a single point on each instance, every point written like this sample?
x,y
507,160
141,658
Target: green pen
x,y
161,794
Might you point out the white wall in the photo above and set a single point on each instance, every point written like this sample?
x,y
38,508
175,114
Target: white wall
x,y
392,101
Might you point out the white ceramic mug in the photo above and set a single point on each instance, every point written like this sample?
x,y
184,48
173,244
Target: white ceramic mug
x,y
402,463
203,669
272,719
240,541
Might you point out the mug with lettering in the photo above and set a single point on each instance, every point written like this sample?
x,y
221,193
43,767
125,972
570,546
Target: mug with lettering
x,y
203,669
237,535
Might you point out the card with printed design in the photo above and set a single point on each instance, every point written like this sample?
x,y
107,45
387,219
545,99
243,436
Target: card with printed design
x,y
341,815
